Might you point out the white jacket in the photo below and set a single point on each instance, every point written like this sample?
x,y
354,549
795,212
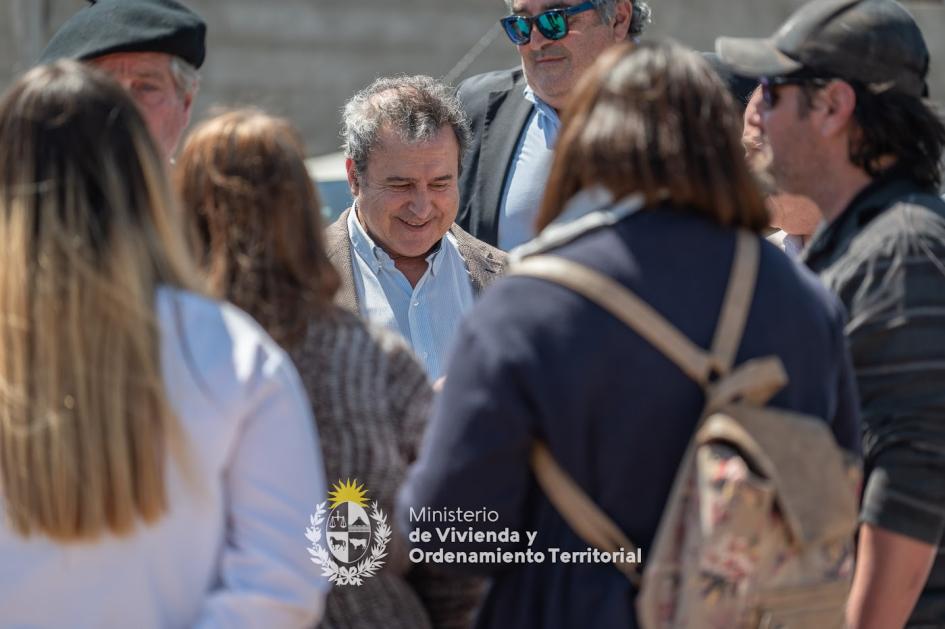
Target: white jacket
x,y
231,552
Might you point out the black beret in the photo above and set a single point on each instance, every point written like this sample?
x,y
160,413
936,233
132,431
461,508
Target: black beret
x,y
109,26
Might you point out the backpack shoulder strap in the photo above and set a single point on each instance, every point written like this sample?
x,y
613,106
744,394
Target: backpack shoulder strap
x,y
737,301
625,306
588,520
649,324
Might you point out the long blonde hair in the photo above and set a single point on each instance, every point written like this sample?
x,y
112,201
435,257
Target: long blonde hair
x,y
89,232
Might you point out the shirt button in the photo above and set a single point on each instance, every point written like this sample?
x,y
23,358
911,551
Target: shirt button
x,y
416,303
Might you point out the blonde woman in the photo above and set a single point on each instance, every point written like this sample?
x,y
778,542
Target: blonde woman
x,y
157,454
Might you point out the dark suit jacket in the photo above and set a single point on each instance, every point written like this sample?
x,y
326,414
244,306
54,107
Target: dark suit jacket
x,y
484,263
498,111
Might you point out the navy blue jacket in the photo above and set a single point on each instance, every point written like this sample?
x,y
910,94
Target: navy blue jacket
x,y
536,361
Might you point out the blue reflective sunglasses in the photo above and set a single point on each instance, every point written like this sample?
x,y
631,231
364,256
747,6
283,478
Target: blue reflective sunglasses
x,y
552,24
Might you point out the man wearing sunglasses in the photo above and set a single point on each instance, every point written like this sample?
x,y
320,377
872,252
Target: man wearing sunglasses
x,y
514,113
843,85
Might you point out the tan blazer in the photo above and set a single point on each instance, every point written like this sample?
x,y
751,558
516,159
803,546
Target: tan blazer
x,y
484,262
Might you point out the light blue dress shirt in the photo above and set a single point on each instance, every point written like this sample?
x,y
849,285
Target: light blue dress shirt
x,y
426,315
528,176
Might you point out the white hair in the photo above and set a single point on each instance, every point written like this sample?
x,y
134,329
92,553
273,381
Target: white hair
x,y
185,76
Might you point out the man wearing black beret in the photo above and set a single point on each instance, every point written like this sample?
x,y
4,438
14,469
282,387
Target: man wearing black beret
x,y
152,47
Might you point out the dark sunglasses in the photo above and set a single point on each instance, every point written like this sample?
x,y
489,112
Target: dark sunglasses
x,y
770,85
552,24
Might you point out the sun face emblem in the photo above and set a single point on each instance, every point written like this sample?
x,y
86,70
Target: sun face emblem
x,y
349,528
347,491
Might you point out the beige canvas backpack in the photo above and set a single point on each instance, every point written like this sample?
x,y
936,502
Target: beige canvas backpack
x,y
758,530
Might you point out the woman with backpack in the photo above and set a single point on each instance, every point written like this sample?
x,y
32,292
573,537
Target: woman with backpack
x,y
649,192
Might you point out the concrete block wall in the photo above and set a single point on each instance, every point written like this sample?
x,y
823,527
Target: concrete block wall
x,y
304,58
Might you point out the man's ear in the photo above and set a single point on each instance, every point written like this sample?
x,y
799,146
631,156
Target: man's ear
x,y
622,19
188,105
353,182
839,102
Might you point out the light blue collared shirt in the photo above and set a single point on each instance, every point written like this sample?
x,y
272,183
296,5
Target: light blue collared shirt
x,y
426,315
789,244
528,175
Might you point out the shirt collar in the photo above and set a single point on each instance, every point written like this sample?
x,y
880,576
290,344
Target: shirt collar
x,y
871,201
364,245
374,254
793,245
589,209
548,119
436,256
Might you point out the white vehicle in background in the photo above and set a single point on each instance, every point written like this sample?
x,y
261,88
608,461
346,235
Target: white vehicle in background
x,y
328,173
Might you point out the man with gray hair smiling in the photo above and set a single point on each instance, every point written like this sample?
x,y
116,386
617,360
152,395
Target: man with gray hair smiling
x,y
514,113
403,262
151,47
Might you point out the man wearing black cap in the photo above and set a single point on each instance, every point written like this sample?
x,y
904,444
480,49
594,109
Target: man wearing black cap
x,y
152,47
843,85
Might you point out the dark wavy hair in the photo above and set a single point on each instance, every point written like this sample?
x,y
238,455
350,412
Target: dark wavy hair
x,y
893,124
896,124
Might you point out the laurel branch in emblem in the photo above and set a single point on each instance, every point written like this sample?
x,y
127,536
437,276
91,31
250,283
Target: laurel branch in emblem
x,y
342,575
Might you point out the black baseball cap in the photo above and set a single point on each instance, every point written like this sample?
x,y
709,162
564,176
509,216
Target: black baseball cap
x,y
109,26
875,42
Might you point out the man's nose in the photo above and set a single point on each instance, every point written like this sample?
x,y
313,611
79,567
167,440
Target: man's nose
x,y
537,39
422,204
125,82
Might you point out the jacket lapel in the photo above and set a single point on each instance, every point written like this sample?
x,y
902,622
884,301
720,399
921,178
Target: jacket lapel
x,y
504,122
484,263
338,247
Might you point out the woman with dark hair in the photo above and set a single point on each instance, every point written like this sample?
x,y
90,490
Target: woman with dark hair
x,y
242,176
157,455
648,187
